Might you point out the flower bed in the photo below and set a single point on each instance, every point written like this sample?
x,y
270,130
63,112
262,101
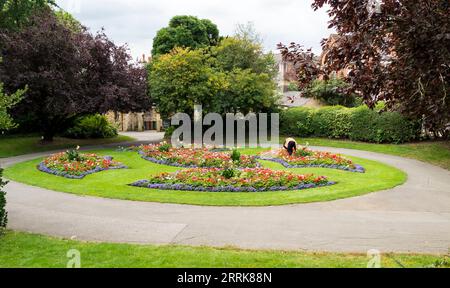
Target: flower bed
x,y
304,158
194,158
79,166
227,180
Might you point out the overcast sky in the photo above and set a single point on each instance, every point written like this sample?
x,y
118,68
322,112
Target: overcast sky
x,y
136,22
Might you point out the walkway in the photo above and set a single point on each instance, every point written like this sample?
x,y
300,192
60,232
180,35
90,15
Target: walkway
x,y
412,218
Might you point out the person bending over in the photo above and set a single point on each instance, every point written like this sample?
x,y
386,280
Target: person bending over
x,y
290,145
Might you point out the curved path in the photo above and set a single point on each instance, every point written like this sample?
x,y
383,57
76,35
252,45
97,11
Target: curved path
x,y
414,217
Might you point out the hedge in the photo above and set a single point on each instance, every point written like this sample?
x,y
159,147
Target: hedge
x,y
358,124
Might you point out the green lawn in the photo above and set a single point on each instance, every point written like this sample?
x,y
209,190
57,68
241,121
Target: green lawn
x,y
18,145
114,183
436,153
20,250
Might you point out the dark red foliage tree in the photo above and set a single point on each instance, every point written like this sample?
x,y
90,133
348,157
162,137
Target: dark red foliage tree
x,y
398,51
68,74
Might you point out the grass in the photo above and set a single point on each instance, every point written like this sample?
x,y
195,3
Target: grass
x,y
436,153
18,145
20,250
114,183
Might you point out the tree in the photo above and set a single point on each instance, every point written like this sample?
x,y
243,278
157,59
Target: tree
x,y
248,32
7,102
14,14
242,53
248,92
69,21
187,32
68,74
397,53
331,92
184,78
307,68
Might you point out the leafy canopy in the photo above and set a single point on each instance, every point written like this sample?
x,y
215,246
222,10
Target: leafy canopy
x,y
68,73
187,32
398,54
14,14
183,78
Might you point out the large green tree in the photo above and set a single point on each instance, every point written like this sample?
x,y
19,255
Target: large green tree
x,y
183,78
248,92
15,13
242,53
187,32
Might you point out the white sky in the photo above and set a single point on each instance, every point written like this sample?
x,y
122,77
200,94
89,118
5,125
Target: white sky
x,y
136,22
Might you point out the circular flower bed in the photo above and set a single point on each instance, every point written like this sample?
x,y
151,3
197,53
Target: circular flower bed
x,y
74,165
195,158
305,157
233,180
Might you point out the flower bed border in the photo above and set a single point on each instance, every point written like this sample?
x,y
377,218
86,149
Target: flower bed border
x,y
224,189
43,168
172,164
358,169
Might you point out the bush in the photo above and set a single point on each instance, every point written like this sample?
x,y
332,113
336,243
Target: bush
x,y
236,156
3,213
92,126
296,119
293,87
169,132
330,93
358,124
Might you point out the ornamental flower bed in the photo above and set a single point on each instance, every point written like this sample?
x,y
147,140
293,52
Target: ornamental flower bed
x,y
305,157
73,165
231,180
194,158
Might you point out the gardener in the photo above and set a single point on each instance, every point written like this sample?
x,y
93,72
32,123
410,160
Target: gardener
x,y
290,145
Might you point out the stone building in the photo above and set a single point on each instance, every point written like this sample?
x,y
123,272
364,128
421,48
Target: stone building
x,y
145,121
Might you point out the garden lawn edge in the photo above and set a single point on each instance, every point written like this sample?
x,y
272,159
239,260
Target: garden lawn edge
x,y
113,184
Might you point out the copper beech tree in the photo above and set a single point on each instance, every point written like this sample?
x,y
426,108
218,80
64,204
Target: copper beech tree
x,y
397,51
68,73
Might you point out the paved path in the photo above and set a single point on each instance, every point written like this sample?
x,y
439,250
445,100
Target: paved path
x,y
412,218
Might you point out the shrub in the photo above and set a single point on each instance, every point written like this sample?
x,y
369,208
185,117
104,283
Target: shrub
x,y
229,173
169,132
296,119
329,93
165,147
3,213
92,126
236,156
73,154
330,122
358,124
292,87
